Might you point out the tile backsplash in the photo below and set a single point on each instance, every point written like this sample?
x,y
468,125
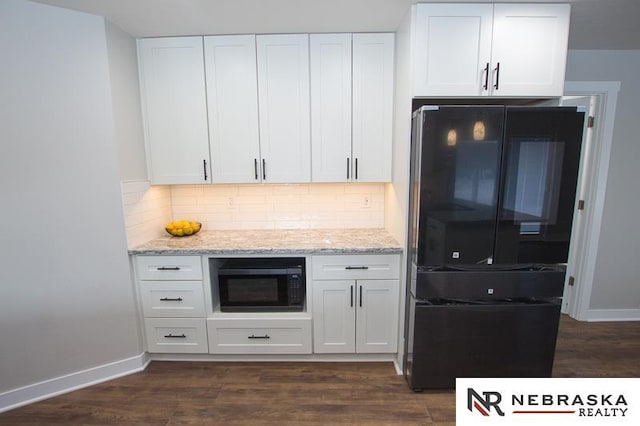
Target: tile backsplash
x,y
318,205
147,210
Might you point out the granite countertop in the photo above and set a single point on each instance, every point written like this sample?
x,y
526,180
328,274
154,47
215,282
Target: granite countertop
x,y
285,241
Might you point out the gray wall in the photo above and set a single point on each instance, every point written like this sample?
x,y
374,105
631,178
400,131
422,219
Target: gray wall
x,y
617,274
67,301
125,96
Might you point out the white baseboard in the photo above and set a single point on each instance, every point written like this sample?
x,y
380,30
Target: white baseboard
x,y
612,315
49,388
396,365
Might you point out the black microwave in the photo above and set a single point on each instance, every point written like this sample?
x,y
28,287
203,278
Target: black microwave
x,y
262,284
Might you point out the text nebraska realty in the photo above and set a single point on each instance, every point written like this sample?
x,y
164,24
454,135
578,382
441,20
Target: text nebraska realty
x,y
589,405
584,405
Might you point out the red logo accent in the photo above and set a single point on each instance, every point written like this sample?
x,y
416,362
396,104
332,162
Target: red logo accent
x,y
479,408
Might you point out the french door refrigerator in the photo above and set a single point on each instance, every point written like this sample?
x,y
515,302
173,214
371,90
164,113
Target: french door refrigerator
x,y
491,209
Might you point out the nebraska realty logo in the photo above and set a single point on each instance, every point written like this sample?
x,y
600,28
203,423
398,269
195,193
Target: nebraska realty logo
x,y
554,401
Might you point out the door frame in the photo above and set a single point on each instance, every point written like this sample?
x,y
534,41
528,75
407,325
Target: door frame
x,y
577,300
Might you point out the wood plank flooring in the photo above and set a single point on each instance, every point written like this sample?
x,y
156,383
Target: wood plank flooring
x,y
190,393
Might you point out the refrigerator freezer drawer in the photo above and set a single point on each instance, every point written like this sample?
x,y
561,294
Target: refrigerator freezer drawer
x,y
502,340
487,283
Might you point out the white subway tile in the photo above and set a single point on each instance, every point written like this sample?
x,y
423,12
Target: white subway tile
x,y
324,188
254,189
291,224
288,206
135,186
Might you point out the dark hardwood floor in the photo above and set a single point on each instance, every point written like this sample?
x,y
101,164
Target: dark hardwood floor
x,y
176,393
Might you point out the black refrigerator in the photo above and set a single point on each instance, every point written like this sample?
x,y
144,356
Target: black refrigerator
x,y
490,215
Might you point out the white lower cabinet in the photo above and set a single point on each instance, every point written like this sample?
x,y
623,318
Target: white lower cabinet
x,y
259,335
172,302
358,314
176,335
172,299
355,308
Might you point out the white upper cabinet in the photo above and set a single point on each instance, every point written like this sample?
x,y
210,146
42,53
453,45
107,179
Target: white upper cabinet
x,y
331,107
283,99
242,108
351,107
232,96
530,48
501,50
453,49
373,65
174,107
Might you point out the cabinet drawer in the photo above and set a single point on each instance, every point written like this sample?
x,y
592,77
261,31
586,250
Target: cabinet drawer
x,y
172,299
176,335
268,336
355,267
169,267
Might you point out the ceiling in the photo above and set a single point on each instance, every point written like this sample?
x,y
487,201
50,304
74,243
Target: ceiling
x,y
595,24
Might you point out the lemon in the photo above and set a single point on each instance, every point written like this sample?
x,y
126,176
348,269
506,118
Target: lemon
x,y
182,227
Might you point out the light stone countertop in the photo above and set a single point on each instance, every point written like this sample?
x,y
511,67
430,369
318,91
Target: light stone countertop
x,y
284,241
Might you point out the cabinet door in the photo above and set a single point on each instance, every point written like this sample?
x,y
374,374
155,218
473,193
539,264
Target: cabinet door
x,y
283,89
334,316
174,107
330,107
373,65
377,316
232,96
452,49
530,46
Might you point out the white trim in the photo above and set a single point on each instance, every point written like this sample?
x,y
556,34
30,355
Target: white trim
x,y
389,357
612,315
608,90
397,366
81,379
